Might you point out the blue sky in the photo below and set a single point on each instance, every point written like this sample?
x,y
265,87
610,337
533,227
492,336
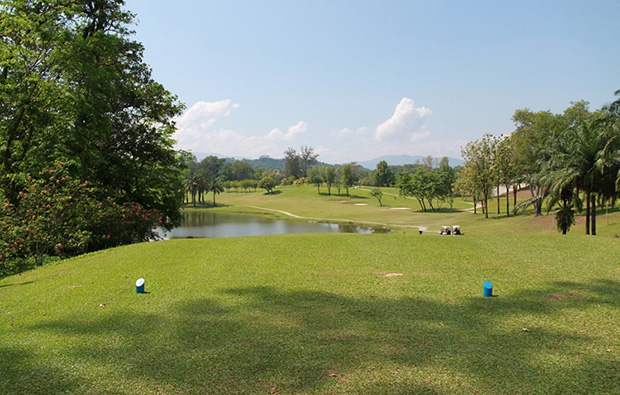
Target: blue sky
x,y
356,80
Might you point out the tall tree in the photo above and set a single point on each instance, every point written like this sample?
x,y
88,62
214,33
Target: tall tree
x,y
242,170
328,175
314,177
504,168
479,158
307,158
532,131
215,186
292,166
346,177
383,175
75,88
78,102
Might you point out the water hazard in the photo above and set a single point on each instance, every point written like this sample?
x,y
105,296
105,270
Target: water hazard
x,y
200,224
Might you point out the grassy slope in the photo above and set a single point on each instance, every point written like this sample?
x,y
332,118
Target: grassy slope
x,y
317,314
322,314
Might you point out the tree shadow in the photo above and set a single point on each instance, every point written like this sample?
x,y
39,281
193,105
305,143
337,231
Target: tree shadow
x,y
16,284
253,339
20,375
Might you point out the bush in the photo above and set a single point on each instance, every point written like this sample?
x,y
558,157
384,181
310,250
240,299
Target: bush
x,y
57,216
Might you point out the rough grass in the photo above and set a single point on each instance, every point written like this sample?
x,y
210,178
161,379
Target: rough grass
x,y
319,314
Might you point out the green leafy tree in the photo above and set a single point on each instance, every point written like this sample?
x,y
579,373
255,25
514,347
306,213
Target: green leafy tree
x,y
328,175
314,176
307,158
446,179
242,170
532,131
383,175
268,183
292,166
74,87
346,177
467,185
504,168
377,193
479,159
212,166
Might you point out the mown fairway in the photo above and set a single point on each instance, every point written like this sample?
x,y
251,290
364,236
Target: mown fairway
x,y
392,313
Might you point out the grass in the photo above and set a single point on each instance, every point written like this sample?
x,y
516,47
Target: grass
x,y
378,314
360,207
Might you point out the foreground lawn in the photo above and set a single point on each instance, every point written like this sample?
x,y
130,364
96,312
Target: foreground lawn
x,y
319,314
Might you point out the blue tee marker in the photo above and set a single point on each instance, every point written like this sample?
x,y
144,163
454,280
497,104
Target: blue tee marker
x,y
487,289
140,286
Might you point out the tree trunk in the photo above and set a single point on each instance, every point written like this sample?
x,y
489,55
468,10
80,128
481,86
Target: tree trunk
x,y
593,206
588,213
475,206
498,200
507,200
538,204
486,204
515,189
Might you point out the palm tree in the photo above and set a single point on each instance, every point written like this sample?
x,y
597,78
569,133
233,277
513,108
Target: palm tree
x,y
191,185
215,185
202,181
583,158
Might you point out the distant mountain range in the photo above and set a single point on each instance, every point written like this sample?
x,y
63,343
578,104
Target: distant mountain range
x,y
395,160
267,163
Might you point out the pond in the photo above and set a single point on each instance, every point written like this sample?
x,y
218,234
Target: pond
x,y
211,224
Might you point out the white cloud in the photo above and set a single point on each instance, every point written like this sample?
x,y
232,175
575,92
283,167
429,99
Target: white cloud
x,y
407,121
205,114
293,131
195,133
192,125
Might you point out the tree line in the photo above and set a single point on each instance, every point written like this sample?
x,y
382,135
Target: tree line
x,y
570,161
214,175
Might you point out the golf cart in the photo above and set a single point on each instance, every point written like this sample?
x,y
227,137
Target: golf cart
x,y
456,230
445,230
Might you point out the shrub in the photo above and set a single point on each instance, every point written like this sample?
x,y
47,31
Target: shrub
x,y
58,216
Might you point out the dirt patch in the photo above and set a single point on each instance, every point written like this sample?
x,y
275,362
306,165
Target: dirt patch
x,y
558,296
390,274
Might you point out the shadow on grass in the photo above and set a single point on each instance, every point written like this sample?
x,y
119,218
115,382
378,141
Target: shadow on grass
x,y
305,341
16,284
21,376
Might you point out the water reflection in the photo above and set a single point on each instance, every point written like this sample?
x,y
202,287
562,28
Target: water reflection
x,y
217,224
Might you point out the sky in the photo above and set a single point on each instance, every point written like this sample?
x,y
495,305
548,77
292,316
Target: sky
x,y
356,80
